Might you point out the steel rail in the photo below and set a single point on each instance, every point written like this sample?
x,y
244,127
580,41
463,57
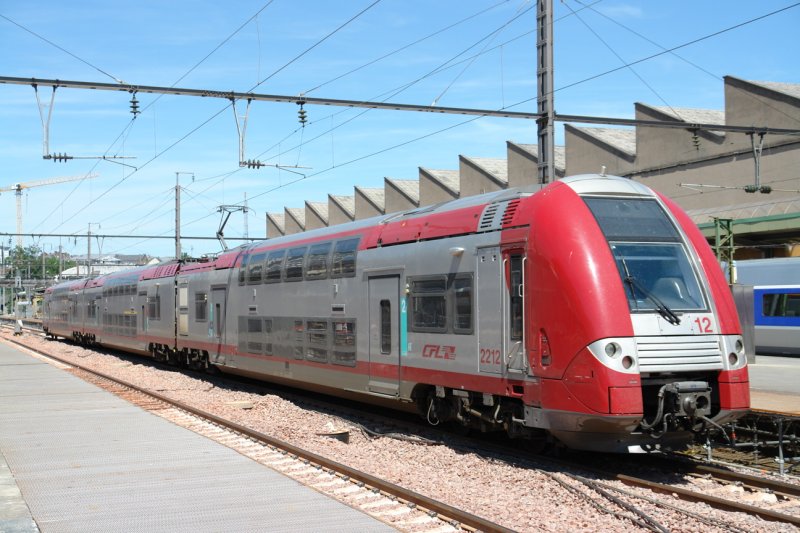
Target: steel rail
x,y
713,501
776,486
444,510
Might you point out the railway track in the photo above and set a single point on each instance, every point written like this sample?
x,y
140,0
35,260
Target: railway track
x,y
594,480
330,476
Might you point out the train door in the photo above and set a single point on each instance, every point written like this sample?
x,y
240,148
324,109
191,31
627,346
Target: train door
x,y
384,338
142,305
514,311
183,308
489,305
216,324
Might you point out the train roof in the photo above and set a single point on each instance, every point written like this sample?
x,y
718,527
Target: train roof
x,y
777,271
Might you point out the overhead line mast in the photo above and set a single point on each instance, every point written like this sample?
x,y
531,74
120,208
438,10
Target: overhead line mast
x,y
544,91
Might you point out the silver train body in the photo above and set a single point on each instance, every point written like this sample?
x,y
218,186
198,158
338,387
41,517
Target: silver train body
x,y
526,311
776,302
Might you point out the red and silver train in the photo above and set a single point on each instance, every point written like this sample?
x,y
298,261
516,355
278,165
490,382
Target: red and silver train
x,y
590,311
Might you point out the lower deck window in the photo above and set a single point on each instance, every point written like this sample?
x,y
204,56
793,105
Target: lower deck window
x,y
344,342
429,305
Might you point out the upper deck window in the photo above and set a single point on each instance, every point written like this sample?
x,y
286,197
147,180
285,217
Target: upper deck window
x,y
317,266
343,263
632,219
294,264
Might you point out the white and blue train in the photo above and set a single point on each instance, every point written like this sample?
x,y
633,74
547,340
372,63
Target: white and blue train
x,y
776,302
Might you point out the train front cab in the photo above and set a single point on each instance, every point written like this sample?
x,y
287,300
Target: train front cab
x,y
633,330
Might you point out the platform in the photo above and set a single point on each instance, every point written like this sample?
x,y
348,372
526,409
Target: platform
x,y
76,458
775,384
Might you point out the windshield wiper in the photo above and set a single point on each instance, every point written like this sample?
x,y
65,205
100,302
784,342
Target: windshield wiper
x,y
668,314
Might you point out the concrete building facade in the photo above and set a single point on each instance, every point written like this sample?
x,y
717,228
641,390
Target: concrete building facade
x,y
705,171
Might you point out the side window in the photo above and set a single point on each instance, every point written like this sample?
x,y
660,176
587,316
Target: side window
x,y
243,270
429,304
317,340
294,264
462,304
781,304
254,269
386,327
515,297
268,336
200,307
343,263
274,266
254,330
154,307
299,339
344,342
317,265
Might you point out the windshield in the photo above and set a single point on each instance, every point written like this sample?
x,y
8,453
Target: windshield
x,y
660,270
651,259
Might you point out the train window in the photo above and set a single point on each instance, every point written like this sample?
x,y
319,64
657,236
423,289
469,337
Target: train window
x,y
462,305
317,265
274,266
515,297
254,331
343,263
255,268
344,342
299,339
317,340
656,274
154,307
200,306
268,336
386,327
294,264
632,219
429,305
781,305
243,269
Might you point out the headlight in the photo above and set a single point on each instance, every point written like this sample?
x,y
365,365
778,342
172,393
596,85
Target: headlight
x,y
613,349
739,346
733,359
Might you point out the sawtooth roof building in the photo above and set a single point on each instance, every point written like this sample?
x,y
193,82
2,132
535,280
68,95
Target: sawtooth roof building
x,y
707,172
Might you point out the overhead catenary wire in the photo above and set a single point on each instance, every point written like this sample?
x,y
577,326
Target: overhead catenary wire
x,y
130,123
680,57
156,156
406,46
48,41
618,56
615,69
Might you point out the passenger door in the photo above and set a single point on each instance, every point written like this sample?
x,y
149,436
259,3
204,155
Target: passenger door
x,y
489,303
384,338
514,311
216,323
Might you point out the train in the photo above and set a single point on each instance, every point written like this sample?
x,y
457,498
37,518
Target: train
x,y
588,313
776,302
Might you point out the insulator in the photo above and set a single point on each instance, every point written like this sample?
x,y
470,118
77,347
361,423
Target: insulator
x,y
301,114
750,188
62,158
765,189
696,141
134,105
252,163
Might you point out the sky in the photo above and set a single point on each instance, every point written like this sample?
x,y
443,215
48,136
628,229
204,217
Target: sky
x,y
466,53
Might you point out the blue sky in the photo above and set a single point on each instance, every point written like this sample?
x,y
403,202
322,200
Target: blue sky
x,y
488,57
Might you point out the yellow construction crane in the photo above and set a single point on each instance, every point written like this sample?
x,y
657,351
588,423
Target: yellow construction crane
x,y
19,187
